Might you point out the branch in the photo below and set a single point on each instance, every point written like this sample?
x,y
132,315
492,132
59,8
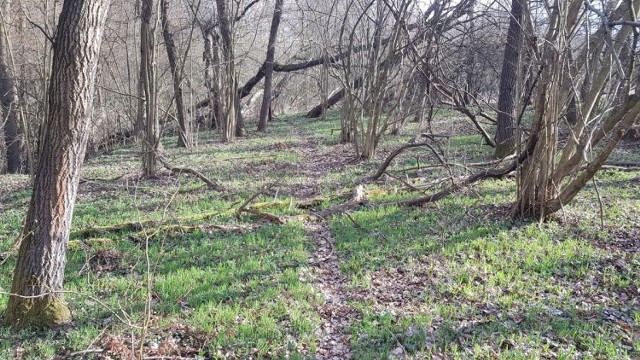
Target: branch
x,y
196,173
389,159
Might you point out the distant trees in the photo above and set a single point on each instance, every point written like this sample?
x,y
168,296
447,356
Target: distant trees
x,y
384,62
36,293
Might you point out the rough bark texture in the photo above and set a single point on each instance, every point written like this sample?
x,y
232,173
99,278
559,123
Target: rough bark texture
x,y
505,140
268,66
151,140
211,61
228,99
185,133
37,282
9,99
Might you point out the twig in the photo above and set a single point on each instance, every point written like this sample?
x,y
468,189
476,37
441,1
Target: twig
x,y
402,181
84,352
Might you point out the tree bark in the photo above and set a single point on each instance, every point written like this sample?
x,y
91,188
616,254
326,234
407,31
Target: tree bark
x,y
9,98
505,139
268,68
151,140
546,181
36,298
185,133
229,97
211,61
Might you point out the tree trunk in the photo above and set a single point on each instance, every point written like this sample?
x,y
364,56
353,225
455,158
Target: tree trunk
x,y
185,133
268,66
151,140
505,139
229,96
211,61
39,272
9,99
546,181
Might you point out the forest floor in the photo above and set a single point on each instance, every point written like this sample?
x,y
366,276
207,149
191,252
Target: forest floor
x,y
284,278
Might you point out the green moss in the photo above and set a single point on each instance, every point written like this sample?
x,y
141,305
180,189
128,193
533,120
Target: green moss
x,y
41,313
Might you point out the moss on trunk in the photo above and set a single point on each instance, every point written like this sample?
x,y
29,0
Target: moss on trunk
x,y
42,312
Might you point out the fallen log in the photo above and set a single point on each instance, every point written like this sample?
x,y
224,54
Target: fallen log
x,y
141,225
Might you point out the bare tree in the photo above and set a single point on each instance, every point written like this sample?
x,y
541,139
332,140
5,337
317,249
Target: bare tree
x,y
228,100
185,132
505,125
37,298
148,82
265,109
9,97
551,177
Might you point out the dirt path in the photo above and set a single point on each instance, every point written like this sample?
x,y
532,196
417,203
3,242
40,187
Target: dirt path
x,y
336,313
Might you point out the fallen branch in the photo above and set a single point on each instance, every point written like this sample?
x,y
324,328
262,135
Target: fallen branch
x,y
393,155
487,174
359,198
87,180
626,164
244,208
141,225
269,217
185,229
468,180
213,185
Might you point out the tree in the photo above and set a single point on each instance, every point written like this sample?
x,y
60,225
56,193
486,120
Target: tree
x,y
9,97
550,178
268,67
505,140
148,81
228,98
37,298
185,132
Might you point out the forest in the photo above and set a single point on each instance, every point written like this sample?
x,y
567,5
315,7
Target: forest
x,y
334,179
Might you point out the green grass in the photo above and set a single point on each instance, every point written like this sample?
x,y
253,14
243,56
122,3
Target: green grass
x,y
492,289
454,279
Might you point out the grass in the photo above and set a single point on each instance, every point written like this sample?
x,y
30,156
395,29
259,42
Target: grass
x,y
494,289
454,279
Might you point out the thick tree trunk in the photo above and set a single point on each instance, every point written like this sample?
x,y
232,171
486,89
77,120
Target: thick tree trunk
x,y
39,273
9,99
268,67
321,108
151,140
505,139
211,60
185,133
229,96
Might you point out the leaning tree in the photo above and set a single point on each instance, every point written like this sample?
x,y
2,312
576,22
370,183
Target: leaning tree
x,y
36,293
